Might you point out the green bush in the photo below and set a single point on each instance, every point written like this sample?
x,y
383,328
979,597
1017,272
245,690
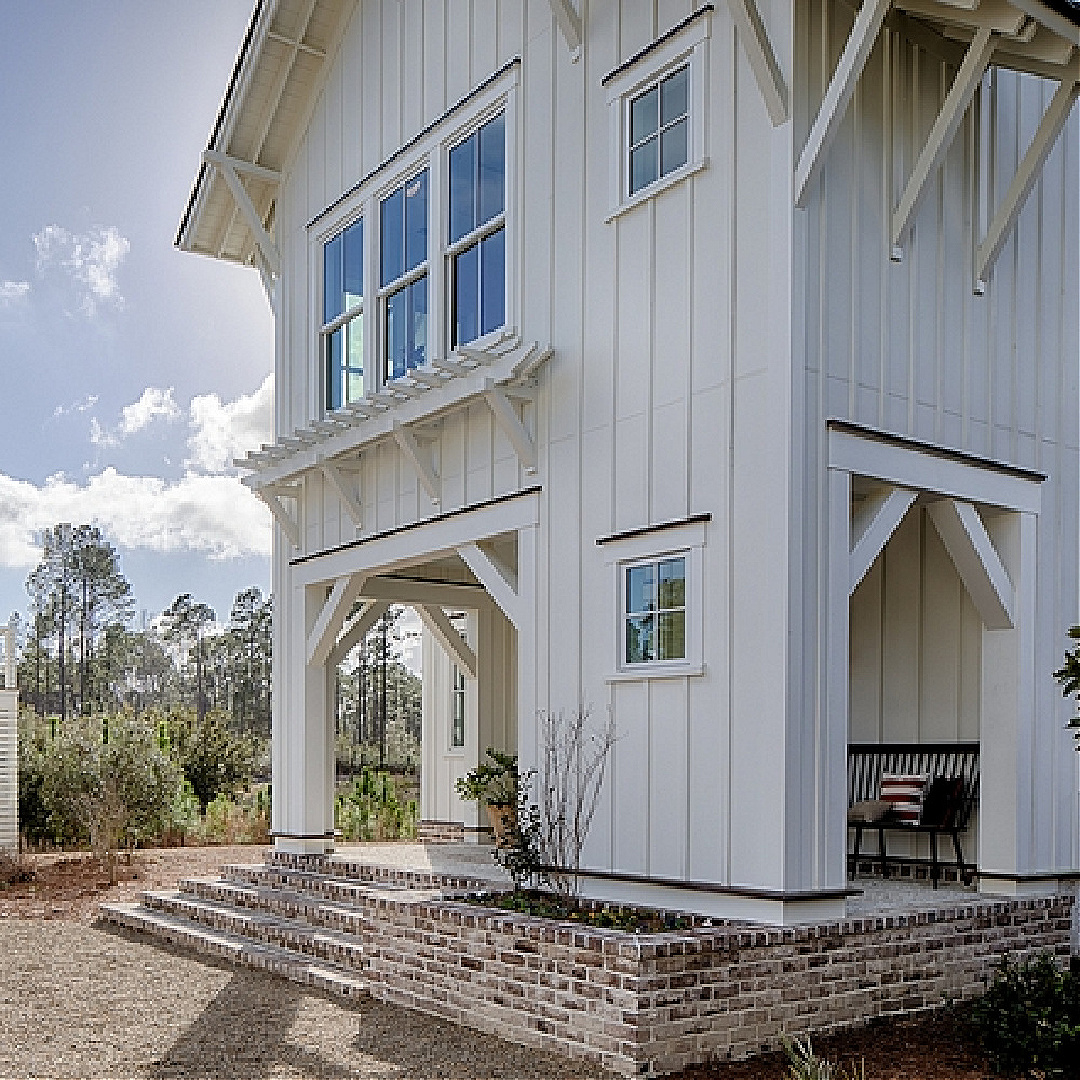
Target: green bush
x,y
33,813
215,762
1029,1019
370,809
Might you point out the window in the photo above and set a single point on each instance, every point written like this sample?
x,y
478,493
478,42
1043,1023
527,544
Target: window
x,y
342,333
656,103
654,607
659,130
477,240
457,709
424,247
403,238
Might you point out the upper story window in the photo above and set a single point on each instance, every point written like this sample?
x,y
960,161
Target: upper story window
x,y
659,130
403,275
654,612
477,240
425,246
342,333
656,103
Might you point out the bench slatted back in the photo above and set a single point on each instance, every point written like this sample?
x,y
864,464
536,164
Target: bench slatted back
x,y
867,761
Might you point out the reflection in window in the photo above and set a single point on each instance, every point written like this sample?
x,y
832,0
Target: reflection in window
x,y
655,611
403,273
342,331
477,234
659,130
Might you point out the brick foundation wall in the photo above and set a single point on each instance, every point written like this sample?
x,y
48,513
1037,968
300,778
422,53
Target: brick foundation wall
x,y
645,1004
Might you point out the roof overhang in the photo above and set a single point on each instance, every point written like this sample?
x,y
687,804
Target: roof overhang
x,y
271,93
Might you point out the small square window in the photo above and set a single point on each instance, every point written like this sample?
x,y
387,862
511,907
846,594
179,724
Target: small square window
x,y
654,611
659,130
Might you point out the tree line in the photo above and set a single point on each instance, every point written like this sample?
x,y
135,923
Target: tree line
x,y
81,655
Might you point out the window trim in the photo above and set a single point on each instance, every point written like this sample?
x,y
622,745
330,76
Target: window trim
x,y
687,46
679,541
431,150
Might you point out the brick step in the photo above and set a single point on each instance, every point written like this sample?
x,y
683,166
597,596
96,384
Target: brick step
x,y
354,870
337,947
237,949
360,894
285,903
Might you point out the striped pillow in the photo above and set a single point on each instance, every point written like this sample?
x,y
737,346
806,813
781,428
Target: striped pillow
x,y
904,792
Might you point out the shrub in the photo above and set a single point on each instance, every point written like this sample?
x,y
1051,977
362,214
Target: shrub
x,y
214,761
369,809
33,813
1029,1019
804,1064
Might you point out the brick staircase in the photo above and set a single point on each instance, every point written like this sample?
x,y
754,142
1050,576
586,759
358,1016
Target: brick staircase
x,y
301,917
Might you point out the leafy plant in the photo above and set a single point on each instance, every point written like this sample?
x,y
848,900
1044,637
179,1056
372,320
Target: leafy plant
x,y
804,1064
1029,1019
520,853
1068,675
370,809
214,760
494,782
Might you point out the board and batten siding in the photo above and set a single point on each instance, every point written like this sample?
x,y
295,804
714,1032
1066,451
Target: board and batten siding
x,y
909,348
9,771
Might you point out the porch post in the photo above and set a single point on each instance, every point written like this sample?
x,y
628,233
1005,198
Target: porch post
x,y
1007,721
831,863
303,748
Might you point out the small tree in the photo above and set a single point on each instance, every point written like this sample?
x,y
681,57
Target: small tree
x,y
1068,675
570,777
213,759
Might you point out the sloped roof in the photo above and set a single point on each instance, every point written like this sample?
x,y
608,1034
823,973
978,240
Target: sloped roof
x,y
267,101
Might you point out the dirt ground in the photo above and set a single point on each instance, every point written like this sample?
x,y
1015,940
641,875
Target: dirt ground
x,y
69,888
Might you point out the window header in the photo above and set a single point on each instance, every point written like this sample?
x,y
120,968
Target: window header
x,y
653,45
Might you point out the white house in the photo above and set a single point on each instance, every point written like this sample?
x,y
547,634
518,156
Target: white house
x,y
717,363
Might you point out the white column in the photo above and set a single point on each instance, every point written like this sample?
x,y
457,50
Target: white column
x,y
303,759
1007,719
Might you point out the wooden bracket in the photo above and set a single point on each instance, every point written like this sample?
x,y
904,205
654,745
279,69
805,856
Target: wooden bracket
x,y
506,416
425,471
763,62
446,634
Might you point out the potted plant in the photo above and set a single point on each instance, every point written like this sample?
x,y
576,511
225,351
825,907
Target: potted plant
x,y
494,783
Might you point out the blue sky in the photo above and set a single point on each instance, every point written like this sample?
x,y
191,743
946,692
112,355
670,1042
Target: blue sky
x,y
130,373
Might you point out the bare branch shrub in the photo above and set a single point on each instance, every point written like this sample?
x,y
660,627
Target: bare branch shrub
x,y
571,774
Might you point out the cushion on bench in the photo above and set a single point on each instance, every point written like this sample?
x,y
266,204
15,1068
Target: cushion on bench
x,y
905,792
869,812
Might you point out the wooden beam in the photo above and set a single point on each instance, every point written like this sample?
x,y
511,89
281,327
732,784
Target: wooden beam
x,y
345,492
831,114
282,516
434,618
425,473
356,631
225,166
763,62
334,612
490,576
412,591
872,529
976,61
507,418
977,562
1049,129
569,23
239,165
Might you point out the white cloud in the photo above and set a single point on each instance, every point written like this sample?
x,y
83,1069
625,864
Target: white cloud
x,y
10,291
136,417
85,405
226,430
92,261
214,515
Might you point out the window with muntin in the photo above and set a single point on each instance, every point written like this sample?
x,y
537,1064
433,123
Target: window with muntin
x,y
403,276
654,611
659,130
477,233
342,331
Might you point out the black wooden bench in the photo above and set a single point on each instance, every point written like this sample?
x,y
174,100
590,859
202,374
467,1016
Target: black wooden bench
x,y
946,808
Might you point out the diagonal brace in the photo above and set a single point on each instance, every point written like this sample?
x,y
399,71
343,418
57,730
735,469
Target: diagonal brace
x,y
977,562
357,630
446,634
1050,127
227,168
976,61
334,612
853,59
491,577
873,529
506,416
763,62
425,472
345,492
282,516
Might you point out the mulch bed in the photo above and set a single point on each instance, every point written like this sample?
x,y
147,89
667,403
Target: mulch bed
x,y
939,1046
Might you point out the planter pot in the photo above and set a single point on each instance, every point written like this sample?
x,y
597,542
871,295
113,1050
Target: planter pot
x,y
503,820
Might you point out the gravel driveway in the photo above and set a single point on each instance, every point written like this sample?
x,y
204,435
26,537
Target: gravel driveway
x,y
78,1000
